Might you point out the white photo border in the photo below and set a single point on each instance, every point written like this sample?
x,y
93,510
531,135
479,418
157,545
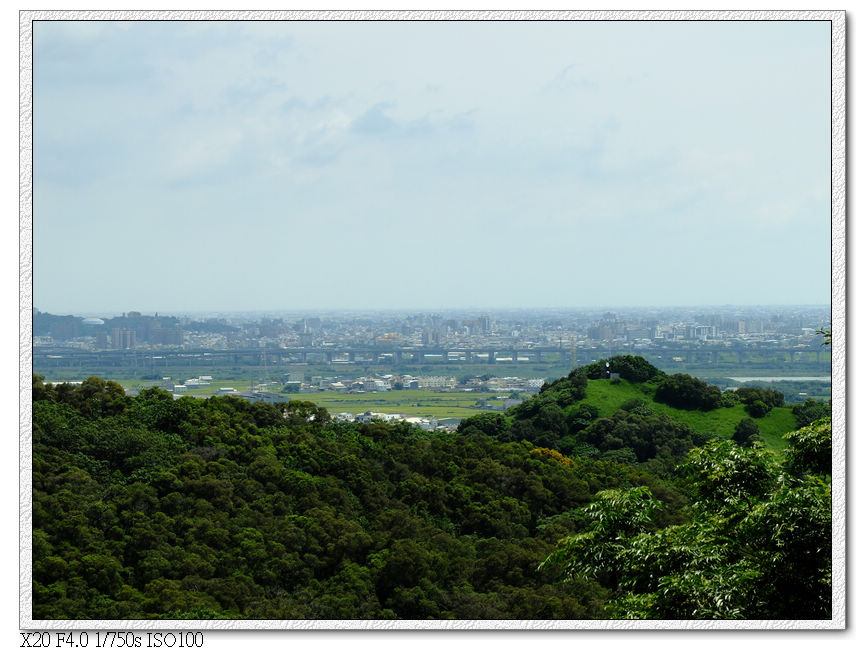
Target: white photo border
x,y
838,306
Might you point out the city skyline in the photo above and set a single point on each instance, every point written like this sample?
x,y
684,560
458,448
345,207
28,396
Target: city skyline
x,y
586,309
303,166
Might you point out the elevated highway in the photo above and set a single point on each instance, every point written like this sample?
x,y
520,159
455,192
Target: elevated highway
x,y
399,356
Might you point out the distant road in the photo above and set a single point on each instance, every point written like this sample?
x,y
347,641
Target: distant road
x,y
379,355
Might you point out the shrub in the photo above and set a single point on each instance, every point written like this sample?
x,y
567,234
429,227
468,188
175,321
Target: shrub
x,y
746,433
638,406
757,409
490,424
628,366
811,411
748,395
555,455
810,450
686,392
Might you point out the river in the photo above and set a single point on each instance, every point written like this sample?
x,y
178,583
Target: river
x,y
743,379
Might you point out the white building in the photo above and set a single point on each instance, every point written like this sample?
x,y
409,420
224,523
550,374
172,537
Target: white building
x,y
371,416
436,383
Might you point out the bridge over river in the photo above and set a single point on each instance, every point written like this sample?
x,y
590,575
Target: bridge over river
x,y
44,358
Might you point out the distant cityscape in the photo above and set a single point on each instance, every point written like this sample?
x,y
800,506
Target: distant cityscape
x,y
453,336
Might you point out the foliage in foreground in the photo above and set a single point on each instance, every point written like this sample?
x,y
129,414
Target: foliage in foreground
x,y
150,507
757,545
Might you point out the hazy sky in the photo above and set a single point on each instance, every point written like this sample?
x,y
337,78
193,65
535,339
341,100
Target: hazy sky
x,y
245,166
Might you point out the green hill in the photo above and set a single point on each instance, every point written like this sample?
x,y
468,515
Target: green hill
x,y
609,396
641,415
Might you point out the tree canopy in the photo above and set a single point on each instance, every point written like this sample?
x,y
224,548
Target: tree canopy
x,y
757,544
687,392
148,506
631,367
155,507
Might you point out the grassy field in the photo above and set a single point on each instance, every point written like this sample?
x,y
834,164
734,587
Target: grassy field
x,y
420,403
201,391
609,397
408,402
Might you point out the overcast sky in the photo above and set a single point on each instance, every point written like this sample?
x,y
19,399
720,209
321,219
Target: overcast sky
x,y
184,166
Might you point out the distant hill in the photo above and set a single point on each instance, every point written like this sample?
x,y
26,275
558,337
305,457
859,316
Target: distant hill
x,y
641,414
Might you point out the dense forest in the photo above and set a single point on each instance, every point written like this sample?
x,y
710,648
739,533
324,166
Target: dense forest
x,y
148,506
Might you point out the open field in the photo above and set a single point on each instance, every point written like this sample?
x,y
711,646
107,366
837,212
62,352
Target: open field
x,y
422,403
201,391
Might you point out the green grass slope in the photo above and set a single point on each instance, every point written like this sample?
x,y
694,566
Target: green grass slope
x,y
608,397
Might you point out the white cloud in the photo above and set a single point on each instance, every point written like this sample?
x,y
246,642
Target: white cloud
x,y
424,141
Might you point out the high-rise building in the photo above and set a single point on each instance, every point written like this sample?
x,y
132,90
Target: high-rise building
x,y
122,338
167,336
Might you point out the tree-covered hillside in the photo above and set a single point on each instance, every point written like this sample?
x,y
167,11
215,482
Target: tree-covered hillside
x,y
148,506
757,543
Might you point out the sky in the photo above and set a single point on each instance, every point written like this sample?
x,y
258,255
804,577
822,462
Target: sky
x,y
239,166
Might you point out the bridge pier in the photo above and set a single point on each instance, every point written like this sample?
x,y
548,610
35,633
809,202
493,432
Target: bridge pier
x,y
180,359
